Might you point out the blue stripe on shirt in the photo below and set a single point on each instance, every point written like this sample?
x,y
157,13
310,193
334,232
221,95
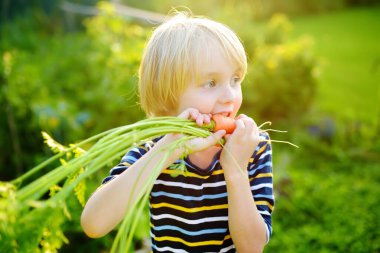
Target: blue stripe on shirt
x,y
191,233
180,196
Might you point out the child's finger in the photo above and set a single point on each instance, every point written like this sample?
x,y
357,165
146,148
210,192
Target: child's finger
x,y
207,118
252,132
199,144
199,120
202,119
240,128
214,138
249,124
189,113
219,135
241,116
194,114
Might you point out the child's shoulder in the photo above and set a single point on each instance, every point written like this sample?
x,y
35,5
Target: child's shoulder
x,y
264,143
263,148
264,135
146,145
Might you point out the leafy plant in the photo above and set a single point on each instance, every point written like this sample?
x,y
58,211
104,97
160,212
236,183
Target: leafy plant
x,y
282,82
70,85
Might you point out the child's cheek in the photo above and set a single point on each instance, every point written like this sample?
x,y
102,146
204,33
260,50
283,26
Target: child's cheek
x,y
237,105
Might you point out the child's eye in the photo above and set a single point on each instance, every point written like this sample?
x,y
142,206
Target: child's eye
x,y
236,80
209,84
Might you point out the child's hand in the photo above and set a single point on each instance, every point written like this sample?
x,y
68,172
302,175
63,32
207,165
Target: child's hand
x,y
195,115
198,144
240,144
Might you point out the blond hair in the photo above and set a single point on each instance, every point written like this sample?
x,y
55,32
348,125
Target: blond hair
x,y
172,56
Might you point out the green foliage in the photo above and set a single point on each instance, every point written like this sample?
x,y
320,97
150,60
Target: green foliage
x,y
8,217
251,9
18,230
282,82
67,102
277,30
35,225
72,85
329,204
80,188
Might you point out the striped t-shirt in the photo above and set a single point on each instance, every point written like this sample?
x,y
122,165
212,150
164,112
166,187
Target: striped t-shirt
x,y
189,211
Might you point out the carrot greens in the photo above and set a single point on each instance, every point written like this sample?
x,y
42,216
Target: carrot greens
x,y
30,200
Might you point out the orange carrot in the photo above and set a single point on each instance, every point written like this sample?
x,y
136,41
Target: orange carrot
x,y
223,122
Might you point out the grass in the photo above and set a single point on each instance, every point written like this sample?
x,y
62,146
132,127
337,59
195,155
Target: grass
x,y
348,45
326,200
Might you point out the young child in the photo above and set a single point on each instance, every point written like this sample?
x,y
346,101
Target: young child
x,y
193,67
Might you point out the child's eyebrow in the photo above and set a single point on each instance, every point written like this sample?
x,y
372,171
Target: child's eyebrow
x,y
217,73
209,74
238,70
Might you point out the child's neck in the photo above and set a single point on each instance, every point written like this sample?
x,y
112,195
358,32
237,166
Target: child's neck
x,y
202,159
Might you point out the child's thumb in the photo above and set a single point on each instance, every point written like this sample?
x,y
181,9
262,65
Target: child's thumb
x,y
199,144
218,135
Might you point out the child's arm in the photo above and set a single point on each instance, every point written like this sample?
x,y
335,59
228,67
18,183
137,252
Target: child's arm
x,y
247,226
107,206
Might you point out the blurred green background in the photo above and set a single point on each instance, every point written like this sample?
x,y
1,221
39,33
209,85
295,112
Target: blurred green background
x,y
70,68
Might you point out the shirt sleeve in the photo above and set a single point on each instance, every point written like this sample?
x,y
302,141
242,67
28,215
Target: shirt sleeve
x,y
128,159
261,180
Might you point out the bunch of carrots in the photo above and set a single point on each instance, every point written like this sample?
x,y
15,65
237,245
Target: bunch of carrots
x,y
108,147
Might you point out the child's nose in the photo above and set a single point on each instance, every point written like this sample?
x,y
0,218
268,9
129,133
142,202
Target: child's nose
x,y
228,94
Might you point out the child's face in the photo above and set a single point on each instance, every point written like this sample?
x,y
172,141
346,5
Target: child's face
x,y
218,89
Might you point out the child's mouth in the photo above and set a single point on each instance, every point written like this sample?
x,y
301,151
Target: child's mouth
x,y
225,114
